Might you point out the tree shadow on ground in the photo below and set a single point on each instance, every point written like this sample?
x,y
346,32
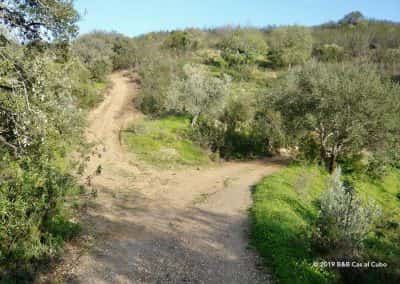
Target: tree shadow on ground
x,y
141,241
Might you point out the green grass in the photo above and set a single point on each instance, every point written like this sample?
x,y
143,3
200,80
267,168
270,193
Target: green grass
x,y
284,214
164,142
91,94
384,243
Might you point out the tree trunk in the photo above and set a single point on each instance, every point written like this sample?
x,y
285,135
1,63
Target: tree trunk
x,y
332,162
194,120
323,157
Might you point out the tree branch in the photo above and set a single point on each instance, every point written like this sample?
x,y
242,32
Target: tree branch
x,y
9,145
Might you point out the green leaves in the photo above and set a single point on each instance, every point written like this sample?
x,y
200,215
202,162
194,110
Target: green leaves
x,y
39,105
38,120
242,46
37,20
344,220
197,93
290,46
30,192
348,108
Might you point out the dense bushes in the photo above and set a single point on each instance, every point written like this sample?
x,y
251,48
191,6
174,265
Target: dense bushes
x,y
95,51
31,197
311,94
358,36
329,52
41,87
39,122
289,46
156,74
243,46
183,40
103,52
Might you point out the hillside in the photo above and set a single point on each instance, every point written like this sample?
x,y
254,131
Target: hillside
x,y
137,159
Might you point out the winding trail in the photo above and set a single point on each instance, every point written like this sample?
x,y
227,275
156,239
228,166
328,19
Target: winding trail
x,y
163,226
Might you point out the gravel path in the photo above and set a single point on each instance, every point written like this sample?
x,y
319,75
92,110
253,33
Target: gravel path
x,y
153,226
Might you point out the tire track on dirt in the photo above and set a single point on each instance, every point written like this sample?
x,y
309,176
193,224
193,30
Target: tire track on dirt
x,y
163,226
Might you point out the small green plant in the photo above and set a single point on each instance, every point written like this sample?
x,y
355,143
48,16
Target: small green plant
x,y
344,221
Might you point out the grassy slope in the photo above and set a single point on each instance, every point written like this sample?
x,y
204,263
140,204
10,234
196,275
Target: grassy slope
x,y
284,213
163,142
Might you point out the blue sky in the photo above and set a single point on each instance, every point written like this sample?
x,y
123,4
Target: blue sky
x,y
135,17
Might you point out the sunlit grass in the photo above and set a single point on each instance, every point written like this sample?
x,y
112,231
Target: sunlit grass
x,y
284,216
164,142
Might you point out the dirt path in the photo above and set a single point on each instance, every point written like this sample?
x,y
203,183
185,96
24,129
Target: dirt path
x,y
152,226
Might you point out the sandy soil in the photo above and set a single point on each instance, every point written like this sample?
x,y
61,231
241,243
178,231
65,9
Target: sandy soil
x,y
162,226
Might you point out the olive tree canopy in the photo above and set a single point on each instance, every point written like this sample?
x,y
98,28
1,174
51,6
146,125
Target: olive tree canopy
x,y
346,108
39,19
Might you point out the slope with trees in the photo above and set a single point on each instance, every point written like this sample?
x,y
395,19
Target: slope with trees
x,y
328,94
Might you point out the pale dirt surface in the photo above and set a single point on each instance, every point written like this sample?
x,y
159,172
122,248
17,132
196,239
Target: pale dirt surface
x,y
162,226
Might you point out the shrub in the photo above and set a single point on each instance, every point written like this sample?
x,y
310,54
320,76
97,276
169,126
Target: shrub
x,y
31,197
352,18
289,46
344,221
388,60
329,52
102,52
182,41
125,52
156,74
197,93
242,46
213,57
95,50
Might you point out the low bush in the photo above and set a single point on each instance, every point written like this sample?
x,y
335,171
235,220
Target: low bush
x,y
344,221
329,52
33,223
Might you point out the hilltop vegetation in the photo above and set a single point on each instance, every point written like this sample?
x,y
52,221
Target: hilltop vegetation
x,y
329,94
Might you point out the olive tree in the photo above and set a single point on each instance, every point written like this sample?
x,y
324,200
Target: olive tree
x,y
39,19
346,108
197,93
